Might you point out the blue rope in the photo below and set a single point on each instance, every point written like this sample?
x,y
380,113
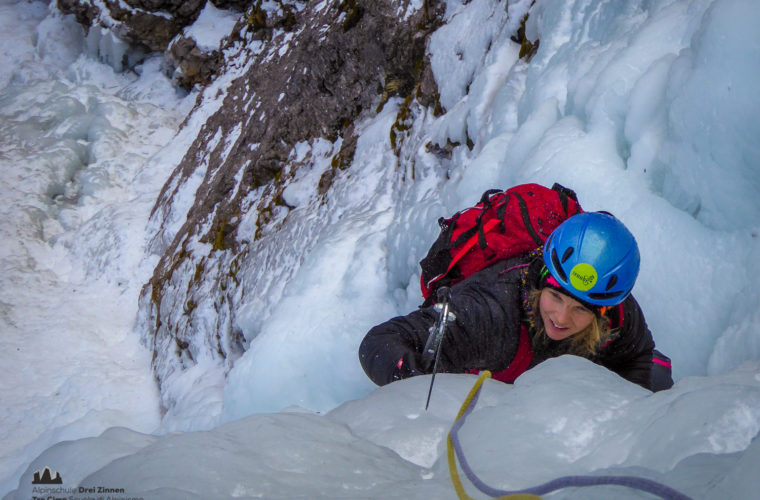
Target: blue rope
x,y
638,483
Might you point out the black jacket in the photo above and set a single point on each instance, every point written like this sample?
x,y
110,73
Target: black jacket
x,y
490,310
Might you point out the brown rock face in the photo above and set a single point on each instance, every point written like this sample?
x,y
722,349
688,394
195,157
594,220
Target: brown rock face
x,y
146,25
196,67
310,69
239,5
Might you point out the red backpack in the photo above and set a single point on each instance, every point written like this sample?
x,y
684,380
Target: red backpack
x,y
504,224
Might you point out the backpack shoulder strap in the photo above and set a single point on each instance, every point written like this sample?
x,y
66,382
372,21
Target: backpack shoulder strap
x,y
565,194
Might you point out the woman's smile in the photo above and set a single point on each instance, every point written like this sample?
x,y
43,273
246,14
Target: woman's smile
x,y
562,315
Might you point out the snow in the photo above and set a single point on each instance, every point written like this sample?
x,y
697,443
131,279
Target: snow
x,y
698,438
646,109
458,47
18,23
343,245
74,137
211,26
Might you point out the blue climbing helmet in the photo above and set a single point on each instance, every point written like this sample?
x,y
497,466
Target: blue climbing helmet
x,y
593,257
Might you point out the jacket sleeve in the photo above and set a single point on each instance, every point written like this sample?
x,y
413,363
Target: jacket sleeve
x,y
392,350
483,336
630,353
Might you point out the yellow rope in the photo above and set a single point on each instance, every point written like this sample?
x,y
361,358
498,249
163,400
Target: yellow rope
x,y
458,486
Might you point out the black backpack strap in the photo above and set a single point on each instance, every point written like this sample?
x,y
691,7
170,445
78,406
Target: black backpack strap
x,y
526,221
485,200
565,194
501,213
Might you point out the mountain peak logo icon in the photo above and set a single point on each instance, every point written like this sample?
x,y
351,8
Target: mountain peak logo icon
x,y
47,477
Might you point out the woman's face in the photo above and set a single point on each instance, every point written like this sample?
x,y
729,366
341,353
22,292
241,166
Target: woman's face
x,y
563,316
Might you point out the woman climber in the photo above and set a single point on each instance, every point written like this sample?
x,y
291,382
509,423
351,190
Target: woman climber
x,y
573,296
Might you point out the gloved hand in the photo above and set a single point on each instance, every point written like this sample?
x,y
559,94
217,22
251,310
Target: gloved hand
x,y
406,367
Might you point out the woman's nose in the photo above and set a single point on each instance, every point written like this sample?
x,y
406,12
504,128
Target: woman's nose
x,y
563,313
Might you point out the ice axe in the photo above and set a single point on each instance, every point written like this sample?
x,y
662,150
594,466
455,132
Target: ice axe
x,y
432,352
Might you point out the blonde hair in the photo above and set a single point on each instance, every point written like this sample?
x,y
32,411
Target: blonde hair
x,y
585,343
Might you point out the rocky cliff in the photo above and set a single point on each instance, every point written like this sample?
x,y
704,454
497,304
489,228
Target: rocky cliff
x,y
282,92
290,74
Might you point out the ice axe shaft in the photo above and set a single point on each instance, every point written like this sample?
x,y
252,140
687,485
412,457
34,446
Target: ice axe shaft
x,y
432,351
